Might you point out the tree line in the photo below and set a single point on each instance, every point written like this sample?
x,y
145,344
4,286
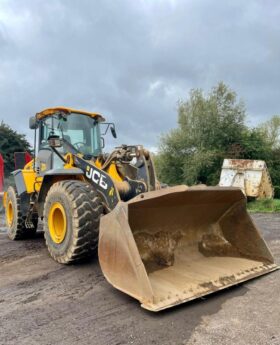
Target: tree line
x,y
210,128
10,142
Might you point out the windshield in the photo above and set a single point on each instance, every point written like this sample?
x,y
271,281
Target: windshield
x,y
79,130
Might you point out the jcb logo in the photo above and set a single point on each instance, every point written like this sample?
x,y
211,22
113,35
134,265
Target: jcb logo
x,y
96,177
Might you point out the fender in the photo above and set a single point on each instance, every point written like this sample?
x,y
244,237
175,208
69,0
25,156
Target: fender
x,y
20,187
52,176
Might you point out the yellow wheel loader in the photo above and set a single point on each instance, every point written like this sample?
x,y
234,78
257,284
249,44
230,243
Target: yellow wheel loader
x,y
160,246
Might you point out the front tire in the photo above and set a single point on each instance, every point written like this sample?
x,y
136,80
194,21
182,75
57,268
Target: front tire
x,y
15,220
72,212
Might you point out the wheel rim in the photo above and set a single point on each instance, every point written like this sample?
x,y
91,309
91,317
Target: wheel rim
x,y
10,214
57,223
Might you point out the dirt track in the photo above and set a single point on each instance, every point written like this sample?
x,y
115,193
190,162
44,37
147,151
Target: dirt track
x,y
42,302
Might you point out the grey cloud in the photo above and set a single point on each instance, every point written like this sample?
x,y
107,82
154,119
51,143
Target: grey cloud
x,y
133,60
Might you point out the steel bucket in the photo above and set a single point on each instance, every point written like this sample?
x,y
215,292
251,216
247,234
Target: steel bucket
x,y
174,245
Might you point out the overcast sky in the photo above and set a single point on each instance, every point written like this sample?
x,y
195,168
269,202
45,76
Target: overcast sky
x,y
132,60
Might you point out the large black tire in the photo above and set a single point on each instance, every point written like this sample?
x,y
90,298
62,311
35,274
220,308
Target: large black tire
x,y
82,208
15,221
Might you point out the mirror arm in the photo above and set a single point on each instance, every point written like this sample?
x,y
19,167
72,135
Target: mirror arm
x,y
108,124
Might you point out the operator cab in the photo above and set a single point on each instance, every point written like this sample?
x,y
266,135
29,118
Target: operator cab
x,y
78,132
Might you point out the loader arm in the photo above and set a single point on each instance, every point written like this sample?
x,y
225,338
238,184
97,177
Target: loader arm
x,y
110,191
102,182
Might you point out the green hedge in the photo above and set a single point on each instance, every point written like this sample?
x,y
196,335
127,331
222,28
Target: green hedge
x,y
266,205
277,192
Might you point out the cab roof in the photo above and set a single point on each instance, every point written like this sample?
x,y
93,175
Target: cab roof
x,y
52,111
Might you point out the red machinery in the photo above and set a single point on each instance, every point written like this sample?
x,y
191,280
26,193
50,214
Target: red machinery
x,y
21,158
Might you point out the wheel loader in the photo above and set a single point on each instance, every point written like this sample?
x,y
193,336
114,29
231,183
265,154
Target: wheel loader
x,y
161,246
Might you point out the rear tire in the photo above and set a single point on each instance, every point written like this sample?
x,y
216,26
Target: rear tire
x,y
72,213
15,221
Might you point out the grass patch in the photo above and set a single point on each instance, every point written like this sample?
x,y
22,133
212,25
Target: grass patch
x,y
266,205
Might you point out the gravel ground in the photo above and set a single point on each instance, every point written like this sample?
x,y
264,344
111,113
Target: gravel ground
x,y
42,302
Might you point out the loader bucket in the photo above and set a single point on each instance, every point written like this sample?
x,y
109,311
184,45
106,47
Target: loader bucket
x,y
174,245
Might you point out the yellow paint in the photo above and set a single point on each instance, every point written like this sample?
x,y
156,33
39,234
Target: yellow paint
x,y
69,161
32,182
52,111
29,165
43,166
111,192
113,172
10,214
57,222
38,183
98,163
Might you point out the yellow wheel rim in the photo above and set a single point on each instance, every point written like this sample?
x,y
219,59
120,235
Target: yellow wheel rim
x,y
10,214
57,222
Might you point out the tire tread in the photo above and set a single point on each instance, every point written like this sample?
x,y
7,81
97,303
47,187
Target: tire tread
x,y
87,209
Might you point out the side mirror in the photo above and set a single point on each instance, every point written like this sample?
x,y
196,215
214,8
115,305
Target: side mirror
x,y
33,123
113,131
